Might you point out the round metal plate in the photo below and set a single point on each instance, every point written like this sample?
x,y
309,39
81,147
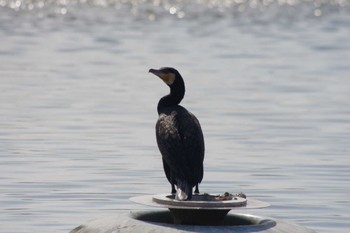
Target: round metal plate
x,y
163,201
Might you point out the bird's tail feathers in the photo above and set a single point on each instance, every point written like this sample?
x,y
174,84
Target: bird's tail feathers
x,y
184,191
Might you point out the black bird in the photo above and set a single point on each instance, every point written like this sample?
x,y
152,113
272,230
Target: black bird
x,y
179,137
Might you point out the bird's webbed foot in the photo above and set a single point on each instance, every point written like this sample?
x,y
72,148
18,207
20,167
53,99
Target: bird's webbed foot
x,y
196,191
173,190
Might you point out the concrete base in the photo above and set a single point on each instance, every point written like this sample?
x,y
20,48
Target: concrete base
x,y
162,222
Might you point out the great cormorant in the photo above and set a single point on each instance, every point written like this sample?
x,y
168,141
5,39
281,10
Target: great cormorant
x,y
179,137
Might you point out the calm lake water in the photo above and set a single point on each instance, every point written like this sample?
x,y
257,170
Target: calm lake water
x,y
268,80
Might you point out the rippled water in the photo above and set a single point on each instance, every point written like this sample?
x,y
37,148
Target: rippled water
x,y
268,80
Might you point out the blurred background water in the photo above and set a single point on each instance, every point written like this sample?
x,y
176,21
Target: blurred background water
x,y
269,81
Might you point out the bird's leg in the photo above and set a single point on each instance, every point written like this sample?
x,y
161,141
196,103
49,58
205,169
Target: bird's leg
x,y
196,191
173,190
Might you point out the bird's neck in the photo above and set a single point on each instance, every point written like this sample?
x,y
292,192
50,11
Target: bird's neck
x,y
173,99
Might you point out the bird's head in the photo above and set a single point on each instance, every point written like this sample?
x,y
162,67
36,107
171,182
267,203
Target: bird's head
x,y
167,74
176,84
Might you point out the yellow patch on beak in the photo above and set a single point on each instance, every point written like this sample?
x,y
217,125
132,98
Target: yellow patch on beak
x,y
168,78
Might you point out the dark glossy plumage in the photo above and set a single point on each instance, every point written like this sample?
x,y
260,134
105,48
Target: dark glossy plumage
x,y
179,138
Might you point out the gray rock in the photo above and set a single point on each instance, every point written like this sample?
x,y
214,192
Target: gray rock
x,y
161,222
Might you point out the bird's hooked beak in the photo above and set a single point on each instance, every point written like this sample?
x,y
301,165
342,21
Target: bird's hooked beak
x,y
168,78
